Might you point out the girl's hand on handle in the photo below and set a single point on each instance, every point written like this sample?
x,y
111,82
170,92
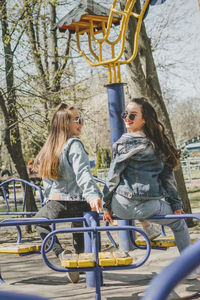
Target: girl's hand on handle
x,y
96,205
179,212
107,216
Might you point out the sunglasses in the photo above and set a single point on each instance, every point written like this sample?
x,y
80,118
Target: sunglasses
x,y
131,117
79,121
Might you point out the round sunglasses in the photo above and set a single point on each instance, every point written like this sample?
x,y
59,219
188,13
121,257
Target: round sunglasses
x,y
79,120
131,117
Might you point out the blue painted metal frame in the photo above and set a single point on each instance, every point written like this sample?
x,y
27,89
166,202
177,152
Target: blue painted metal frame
x,y
34,221
21,213
25,182
97,268
192,258
162,284
95,230
19,296
116,105
92,244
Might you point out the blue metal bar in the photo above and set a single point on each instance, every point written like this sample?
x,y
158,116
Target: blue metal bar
x,y
92,220
99,180
194,216
110,237
17,213
116,105
19,296
15,195
24,201
34,221
26,183
14,180
163,284
97,229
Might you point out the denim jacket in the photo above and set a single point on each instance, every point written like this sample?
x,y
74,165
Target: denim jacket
x,y
76,181
138,174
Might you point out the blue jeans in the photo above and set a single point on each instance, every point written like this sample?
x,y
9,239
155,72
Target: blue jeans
x,y
142,210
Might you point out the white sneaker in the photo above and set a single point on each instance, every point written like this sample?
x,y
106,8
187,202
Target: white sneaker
x,y
152,231
62,254
73,276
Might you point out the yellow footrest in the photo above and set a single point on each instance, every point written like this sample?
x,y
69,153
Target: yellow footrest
x,y
122,258
82,260
164,242
18,248
86,260
106,259
69,260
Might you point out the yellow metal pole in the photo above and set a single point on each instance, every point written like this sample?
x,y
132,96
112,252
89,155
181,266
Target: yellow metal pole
x,y
118,73
114,74
109,74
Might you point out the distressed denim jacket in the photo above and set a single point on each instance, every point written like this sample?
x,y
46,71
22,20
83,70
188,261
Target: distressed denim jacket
x,y
76,181
138,174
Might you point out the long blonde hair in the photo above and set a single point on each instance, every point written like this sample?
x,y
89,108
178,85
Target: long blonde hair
x,y
47,160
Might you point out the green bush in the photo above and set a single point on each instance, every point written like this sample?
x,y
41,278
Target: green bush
x,y
103,158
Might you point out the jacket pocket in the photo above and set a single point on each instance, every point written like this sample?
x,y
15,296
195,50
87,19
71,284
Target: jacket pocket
x,y
124,192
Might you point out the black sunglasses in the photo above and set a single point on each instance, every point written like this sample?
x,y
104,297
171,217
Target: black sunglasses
x,y
131,117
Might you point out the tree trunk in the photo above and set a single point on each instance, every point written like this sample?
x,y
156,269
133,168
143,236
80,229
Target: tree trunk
x,y
9,108
144,82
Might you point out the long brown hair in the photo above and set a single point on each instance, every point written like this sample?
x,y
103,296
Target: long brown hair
x,y
47,160
155,130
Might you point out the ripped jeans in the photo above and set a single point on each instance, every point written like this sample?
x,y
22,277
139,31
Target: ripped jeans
x,y
143,210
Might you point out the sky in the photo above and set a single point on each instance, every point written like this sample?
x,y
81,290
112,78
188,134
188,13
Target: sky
x,y
177,56
176,25
179,46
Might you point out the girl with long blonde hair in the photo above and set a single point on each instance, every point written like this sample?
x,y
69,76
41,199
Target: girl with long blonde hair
x,y
69,187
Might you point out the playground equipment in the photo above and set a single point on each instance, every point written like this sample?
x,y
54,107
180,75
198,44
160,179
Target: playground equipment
x,y
92,19
19,296
163,283
94,22
15,182
17,207
93,262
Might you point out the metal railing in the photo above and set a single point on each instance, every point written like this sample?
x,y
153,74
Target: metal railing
x,y
191,168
